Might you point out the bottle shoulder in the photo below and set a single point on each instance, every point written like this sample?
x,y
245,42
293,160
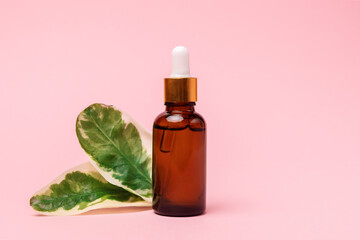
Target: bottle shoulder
x,y
180,120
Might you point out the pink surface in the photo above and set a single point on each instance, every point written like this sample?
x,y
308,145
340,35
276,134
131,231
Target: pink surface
x,y
279,86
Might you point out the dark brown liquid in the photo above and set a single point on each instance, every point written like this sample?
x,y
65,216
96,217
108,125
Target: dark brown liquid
x,y
179,161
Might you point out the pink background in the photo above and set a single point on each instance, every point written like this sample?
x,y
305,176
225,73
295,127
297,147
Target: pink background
x,y
279,86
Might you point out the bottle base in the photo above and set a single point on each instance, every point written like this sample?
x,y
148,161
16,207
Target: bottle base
x,y
178,211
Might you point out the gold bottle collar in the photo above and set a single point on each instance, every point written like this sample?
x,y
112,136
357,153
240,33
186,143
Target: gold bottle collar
x,y
180,89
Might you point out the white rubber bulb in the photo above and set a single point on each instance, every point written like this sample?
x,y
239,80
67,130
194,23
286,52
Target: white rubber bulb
x,y
180,63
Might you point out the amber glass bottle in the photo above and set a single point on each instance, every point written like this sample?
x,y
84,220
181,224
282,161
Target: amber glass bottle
x,y
179,151
179,161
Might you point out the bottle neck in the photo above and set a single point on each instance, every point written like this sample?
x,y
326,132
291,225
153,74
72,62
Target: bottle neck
x,y
180,107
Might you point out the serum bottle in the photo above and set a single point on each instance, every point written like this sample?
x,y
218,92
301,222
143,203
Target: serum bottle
x,y
179,145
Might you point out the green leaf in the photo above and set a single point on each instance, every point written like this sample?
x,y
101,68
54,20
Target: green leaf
x,y
119,148
79,190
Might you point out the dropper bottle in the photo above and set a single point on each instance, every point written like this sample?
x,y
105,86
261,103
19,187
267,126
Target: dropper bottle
x,y
179,145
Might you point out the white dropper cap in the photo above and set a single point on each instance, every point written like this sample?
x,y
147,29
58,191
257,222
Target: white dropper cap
x,y
180,63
